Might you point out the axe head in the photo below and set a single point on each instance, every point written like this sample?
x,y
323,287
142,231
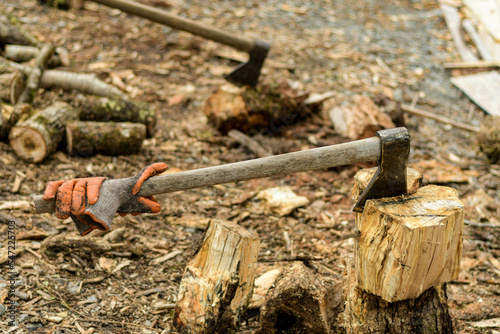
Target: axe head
x,y
248,73
390,177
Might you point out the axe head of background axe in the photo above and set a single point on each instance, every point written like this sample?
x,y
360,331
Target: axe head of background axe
x,y
390,177
248,73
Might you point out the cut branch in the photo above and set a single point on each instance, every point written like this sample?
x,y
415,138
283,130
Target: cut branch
x,y
35,75
423,113
119,110
85,83
24,53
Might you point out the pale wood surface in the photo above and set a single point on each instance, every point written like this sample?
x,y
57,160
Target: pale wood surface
x,y
217,284
407,246
38,136
452,18
482,88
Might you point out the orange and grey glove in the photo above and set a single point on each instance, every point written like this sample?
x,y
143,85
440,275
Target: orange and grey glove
x,y
93,202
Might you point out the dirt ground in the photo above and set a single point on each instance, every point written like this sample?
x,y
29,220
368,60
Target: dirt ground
x,y
111,284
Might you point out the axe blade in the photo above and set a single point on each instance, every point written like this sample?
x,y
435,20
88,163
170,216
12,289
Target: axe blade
x,y
390,177
248,73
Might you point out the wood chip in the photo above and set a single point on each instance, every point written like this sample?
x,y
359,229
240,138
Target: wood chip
x,y
166,257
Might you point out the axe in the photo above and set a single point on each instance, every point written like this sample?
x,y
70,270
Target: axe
x,y
245,74
391,148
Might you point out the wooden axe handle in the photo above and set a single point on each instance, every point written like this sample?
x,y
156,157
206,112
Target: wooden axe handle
x,y
180,23
316,158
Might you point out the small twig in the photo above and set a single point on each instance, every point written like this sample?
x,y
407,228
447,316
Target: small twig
x,y
250,143
423,113
294,258
468,222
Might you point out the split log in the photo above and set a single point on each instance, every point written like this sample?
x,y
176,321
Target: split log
x,y
37,137
361,120
109,138
85,83
303,300
11,84
119,110
217,284
24,53
33,81
489,138
267,108
407,248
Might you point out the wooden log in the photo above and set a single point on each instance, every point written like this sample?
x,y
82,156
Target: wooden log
x,y
24,53
11,34
407,248
267,108
35,76
108,138
85,83
11,84
363,119
119,110
303,300
37,137
488,138
217,284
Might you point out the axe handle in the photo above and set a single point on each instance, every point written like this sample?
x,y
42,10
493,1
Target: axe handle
x,y
179,23
316,158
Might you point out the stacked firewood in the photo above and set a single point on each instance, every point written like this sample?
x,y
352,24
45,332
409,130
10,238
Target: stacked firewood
x,y
107,122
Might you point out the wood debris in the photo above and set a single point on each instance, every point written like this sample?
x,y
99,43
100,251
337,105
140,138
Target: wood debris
x,y
282,200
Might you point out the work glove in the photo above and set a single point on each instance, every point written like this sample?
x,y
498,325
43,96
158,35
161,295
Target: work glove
x,y
93,202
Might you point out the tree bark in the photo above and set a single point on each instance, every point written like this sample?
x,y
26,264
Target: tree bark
x,y
85,83
119,110
268,108
37,137
217,284
24,53
35,76
108,138
11,84
303,300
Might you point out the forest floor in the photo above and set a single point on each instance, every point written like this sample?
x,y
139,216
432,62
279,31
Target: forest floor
x,y
364,47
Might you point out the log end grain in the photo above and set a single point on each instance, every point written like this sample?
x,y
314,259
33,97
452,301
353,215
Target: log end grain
x,y
28,143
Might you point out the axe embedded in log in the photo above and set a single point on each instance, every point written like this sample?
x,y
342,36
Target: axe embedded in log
x,y
245,74
391,148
